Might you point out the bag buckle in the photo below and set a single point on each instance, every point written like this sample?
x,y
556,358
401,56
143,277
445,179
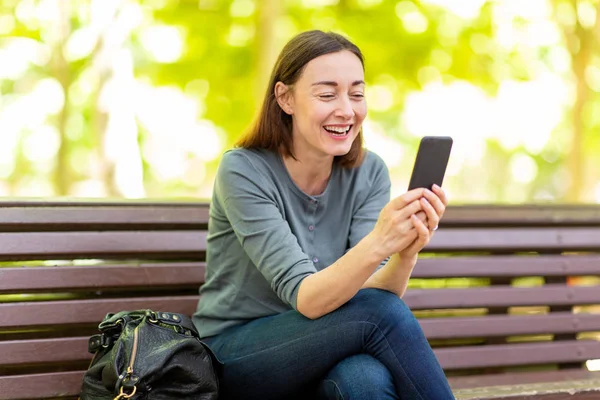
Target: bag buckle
x,y
123,395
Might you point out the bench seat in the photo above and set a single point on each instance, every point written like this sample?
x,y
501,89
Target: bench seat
x,y
507,295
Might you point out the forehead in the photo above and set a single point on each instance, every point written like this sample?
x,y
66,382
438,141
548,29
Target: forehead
x,y
341,67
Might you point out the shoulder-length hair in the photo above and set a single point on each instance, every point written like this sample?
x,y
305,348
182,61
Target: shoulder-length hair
x,y
273,127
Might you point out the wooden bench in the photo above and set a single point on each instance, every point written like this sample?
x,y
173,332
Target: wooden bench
x,y
496,292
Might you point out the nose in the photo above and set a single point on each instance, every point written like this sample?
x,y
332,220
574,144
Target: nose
x,y
344,108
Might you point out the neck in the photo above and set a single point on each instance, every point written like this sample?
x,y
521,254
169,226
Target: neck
x,y
311,176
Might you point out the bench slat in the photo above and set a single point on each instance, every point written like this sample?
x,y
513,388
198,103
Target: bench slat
x,y
52,313
108,244
521,378
515,239
41,386
521,215
518,354
75,349
508,325
456,215
580,390
103,276
93,310
91,217
507,266
45,245
28,279
501,296
40,351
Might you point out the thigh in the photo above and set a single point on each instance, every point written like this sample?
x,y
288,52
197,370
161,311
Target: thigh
x,y
359,377
279,356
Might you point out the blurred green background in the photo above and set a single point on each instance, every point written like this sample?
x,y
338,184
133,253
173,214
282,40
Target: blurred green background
x,y
138,99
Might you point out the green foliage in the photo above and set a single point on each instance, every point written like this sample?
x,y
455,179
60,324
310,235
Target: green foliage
x,y
227,45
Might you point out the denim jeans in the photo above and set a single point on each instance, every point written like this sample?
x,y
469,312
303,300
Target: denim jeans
x,y
370,348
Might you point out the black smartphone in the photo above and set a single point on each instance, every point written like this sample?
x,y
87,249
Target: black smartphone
x,y
431,162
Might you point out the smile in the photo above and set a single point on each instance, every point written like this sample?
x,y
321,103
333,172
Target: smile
x,y
338,131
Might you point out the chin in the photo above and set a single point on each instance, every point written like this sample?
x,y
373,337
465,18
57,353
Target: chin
x,y
338,152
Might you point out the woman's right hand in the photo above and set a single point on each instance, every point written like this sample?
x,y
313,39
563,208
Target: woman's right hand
x,y
394,230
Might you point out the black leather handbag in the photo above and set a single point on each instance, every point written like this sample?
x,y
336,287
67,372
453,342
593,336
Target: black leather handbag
x,y
152,356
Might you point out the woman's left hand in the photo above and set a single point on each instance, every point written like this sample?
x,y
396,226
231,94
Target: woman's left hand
x,y
434,205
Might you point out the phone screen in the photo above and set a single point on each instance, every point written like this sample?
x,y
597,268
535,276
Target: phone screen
x,y
431,162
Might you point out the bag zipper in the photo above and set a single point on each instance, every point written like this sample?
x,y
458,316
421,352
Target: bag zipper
x,y
133,351
129,373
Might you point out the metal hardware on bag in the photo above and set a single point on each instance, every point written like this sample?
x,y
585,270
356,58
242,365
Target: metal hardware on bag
x,y
123,395
152,317
94,343
134,350
176,328
108,328
106,341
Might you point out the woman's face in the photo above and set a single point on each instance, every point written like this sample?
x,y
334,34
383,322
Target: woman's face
x,y
327,105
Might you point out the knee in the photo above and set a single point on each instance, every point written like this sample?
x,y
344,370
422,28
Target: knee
x,y
380,306
358,377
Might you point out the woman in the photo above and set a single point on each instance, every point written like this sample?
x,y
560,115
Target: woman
x,y
307,257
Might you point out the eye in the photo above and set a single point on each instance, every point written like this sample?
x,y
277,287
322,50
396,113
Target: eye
x,y
326,96
358,95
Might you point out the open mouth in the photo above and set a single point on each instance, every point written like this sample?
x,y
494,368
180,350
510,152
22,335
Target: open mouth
x,y
338,131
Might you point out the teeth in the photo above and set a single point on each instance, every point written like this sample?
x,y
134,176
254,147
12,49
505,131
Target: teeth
x,y
337,129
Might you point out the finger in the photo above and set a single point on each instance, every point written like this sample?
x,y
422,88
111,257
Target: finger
x,y
441,194
410,209
422,216
433,218
435,201
405,226
407,198
421,228
421,239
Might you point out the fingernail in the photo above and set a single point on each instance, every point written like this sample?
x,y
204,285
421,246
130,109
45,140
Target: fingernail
x,y
435,186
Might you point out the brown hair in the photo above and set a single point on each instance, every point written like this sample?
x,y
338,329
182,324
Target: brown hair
x,y
273,127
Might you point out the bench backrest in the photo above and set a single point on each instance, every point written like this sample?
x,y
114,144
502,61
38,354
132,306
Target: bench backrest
x,y
532,297
495,289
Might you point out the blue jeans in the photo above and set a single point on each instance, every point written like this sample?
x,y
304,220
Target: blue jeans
x,y
370,348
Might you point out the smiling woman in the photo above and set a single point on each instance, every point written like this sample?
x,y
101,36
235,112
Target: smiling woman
x,y
307,257
328,109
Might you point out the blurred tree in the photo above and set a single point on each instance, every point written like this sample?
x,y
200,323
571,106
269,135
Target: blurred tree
x,y
154,91
581,33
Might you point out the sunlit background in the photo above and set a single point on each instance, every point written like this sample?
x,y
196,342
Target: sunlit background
x,y
139,99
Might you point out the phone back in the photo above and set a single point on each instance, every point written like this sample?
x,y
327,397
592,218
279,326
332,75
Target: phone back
x,y
431,162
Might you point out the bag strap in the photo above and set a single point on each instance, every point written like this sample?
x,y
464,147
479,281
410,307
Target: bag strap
x,y
113,324
116,321
176,319
96,342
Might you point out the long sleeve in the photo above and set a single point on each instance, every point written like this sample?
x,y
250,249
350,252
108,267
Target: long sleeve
x,y
365,215
251,208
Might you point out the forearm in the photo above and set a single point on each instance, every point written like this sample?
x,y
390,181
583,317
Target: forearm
x,y
330,288
393,276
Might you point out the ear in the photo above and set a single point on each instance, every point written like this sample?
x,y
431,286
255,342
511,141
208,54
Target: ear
x,y
284,97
